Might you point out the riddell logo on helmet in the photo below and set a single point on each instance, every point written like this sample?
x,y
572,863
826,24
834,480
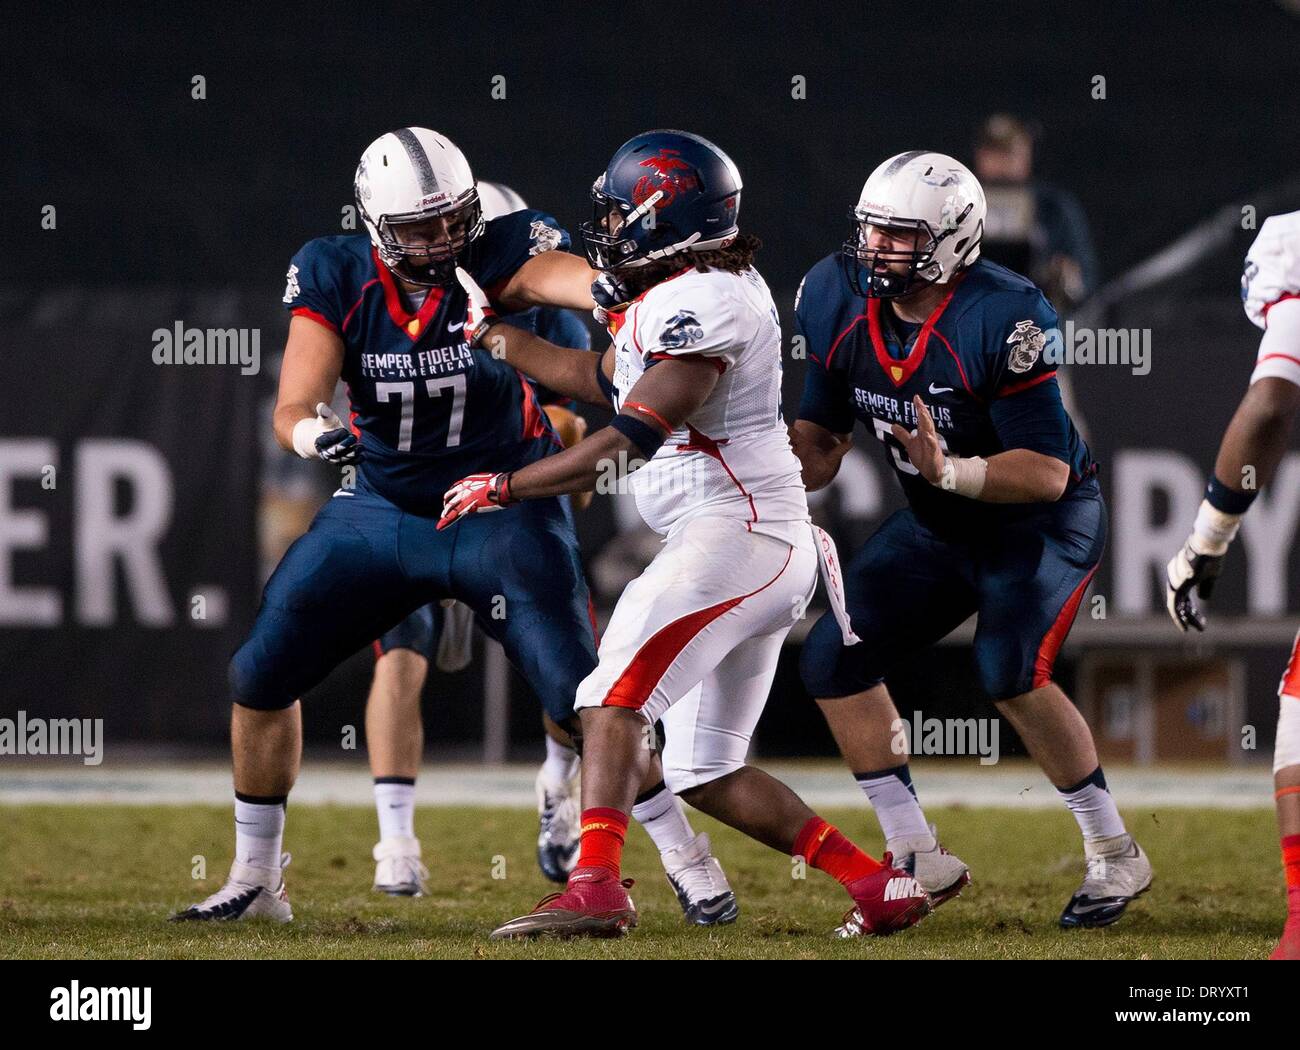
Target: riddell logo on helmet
x,y
672,175
432,199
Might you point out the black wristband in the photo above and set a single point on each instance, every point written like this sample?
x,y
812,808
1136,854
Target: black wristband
x,y
499,490
645,437
1230,501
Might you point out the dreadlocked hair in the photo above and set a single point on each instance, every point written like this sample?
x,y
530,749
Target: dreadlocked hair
x,y
735,257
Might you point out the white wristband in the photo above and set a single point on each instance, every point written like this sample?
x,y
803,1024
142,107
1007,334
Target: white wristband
x,y
1213,530
964,475
305,433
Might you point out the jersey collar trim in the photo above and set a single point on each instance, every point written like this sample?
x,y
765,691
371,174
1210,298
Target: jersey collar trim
x,y
899,372
413,324
618,316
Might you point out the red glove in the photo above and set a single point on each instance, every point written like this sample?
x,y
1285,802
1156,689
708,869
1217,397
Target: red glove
x,y
476,494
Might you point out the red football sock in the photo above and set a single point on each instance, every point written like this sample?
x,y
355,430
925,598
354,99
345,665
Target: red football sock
x,y
603,832
822,846
1291,865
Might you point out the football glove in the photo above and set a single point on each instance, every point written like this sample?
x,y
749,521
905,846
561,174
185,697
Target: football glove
x,y
1190,570
476,494
480,316
326,437
1197,565
609,293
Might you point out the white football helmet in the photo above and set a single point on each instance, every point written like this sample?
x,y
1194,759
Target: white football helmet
x,y
418,199
499,199
916,190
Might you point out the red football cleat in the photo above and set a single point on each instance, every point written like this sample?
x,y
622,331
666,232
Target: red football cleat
x,y
595,904
888,901
1289,946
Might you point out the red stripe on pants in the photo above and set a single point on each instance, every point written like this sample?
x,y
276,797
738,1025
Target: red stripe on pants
x,y
637,682
1055,638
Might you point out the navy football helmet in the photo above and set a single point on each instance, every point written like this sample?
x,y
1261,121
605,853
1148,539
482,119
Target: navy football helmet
x,y
662,193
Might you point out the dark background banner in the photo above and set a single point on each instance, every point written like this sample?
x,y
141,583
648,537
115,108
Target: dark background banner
x,y
133,565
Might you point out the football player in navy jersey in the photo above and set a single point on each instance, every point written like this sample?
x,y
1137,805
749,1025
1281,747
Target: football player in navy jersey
x,y
441,633
939,354
386,314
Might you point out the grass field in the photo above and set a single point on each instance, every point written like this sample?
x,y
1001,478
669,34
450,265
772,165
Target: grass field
x,y
98,881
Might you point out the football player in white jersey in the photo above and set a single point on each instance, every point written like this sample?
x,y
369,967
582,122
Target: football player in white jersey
x,y
1252,447
694,376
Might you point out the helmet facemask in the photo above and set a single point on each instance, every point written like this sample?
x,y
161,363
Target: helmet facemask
x,y
603,239
425,247
871,272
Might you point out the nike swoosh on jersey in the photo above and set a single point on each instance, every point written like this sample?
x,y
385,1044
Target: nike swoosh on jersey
x,y
455,327
940,389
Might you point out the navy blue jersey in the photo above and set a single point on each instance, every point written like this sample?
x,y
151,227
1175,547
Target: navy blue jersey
x,y
428,408
977,364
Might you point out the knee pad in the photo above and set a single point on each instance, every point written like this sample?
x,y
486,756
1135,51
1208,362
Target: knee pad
x,y
697,755
250,687
680,777
1286,748
830,668
1001,670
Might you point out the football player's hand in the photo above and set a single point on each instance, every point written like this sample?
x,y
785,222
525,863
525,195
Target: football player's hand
x,y
609,293
922,444
326,437
476,494
480,316
1190,570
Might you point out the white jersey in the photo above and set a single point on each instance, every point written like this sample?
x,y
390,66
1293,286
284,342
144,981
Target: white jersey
x,y
732,457
1270,293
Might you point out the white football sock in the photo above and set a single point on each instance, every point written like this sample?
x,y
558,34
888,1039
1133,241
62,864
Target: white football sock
x,y
890,793
259,831
1094,808
662,815
561,762
395,804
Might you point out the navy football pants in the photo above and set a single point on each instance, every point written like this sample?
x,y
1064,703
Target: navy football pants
x,y
419,632
364,566
906,588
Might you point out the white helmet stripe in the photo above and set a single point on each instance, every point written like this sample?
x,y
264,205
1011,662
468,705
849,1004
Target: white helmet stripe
x,y
419,160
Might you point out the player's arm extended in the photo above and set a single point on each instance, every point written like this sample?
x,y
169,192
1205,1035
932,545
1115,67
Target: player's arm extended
x,y
549,279
1249,453
313,359
662,399
819,452
573,373
1258,435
